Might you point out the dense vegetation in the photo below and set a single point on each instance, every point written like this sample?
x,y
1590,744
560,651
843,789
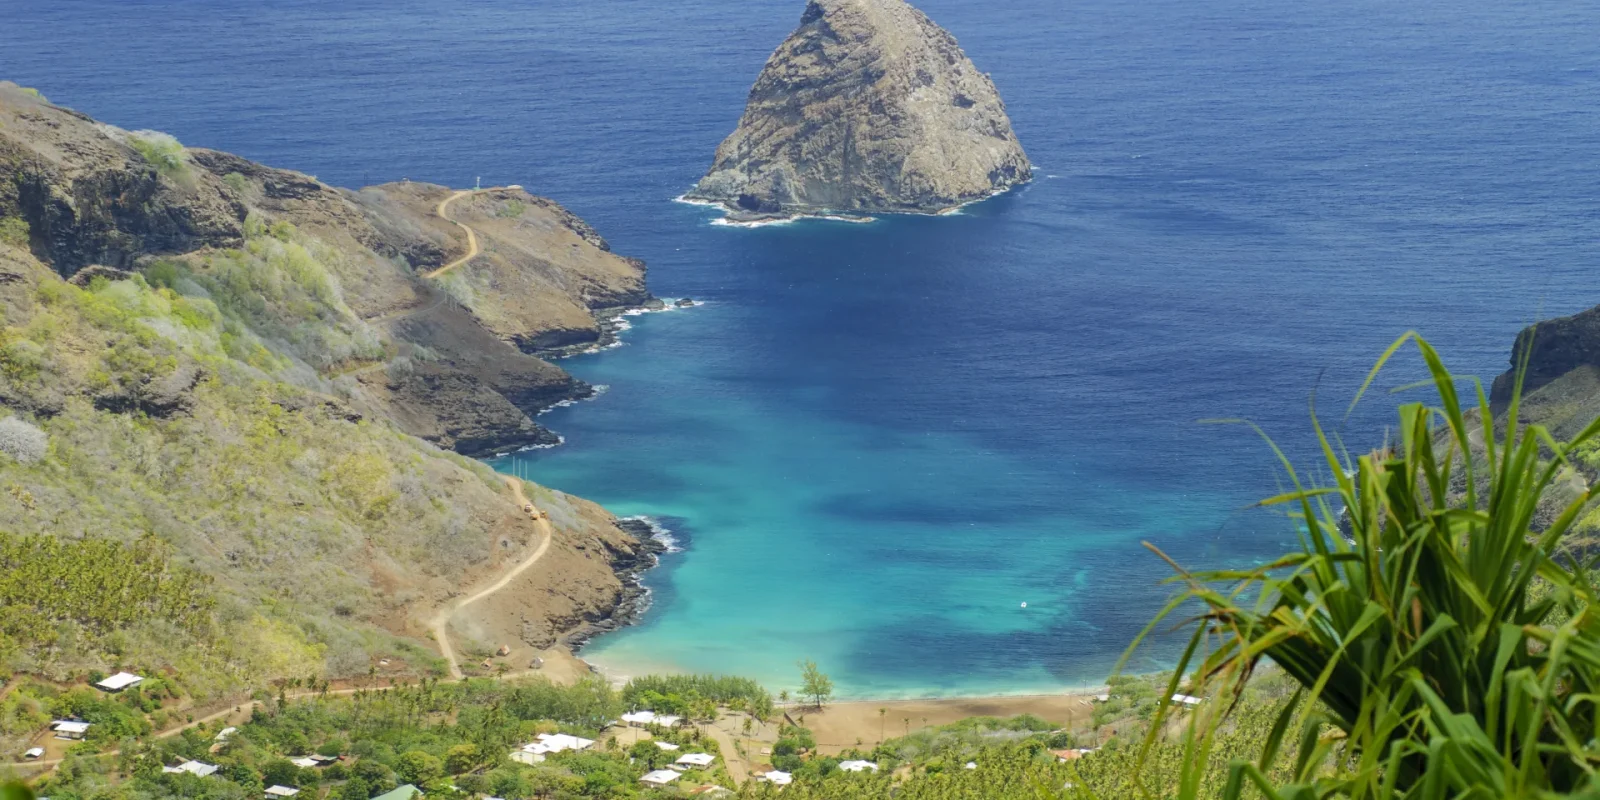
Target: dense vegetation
x,y
52,590
1443,643
185,415
453,740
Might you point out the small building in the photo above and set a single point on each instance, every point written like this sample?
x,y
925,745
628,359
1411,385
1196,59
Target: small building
x,y
222,735
322,760
639,719
197,768
1102,698
550,743
659,778
1188,700
667,746
697,760
858,766
776,778
282,791
970,765
73,729
119,681
710,790
406,792
644,719
33,752
303,762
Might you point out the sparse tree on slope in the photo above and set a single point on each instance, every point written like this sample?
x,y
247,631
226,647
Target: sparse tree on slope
x,y
814,684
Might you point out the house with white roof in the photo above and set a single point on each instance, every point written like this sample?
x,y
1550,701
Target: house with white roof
x,y
644,719
120,681
303,762
639,719
550,743
1188,700
659,778
697,760
193,768
776,778
667,746
281,791
858,766
70,728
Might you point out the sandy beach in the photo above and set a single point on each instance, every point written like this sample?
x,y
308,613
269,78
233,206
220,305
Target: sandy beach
x,y
859,723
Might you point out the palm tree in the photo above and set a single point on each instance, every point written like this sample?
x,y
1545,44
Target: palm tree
x,y
1447,643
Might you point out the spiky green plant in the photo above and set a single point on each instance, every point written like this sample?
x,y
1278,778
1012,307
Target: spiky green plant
x,y
1445,649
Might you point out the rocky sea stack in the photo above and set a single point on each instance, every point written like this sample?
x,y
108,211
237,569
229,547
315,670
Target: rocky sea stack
x,y
868,107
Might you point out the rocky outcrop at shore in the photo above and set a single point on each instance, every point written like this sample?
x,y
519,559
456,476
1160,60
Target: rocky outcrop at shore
x,y
1561,388
868,107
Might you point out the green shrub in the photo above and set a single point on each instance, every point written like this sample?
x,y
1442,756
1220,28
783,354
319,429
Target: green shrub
x,y
14,231
238,183
1442,646
163,152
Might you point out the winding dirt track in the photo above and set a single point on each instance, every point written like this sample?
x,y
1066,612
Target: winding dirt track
x,y
472,238
443,212
441,621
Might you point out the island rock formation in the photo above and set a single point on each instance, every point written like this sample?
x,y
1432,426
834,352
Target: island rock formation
x,y
868,107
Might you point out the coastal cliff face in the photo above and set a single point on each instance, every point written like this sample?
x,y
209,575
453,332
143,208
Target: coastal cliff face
x,y
253,368
1562,385
457,356
868,107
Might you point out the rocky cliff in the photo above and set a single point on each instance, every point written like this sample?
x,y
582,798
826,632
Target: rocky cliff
x,y
454,359
1561,388
243,363
867,107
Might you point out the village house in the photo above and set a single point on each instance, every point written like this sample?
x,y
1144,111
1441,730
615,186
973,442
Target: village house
x,y
550,743
198,768
406,792
644,719
696,760
72,729
659,778
119,681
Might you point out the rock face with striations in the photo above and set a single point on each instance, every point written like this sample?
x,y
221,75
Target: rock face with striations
x,y
868,107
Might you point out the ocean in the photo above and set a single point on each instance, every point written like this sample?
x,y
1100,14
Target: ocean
x,y
874,443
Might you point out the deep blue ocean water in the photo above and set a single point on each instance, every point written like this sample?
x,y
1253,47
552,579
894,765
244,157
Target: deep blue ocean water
x,y
874,442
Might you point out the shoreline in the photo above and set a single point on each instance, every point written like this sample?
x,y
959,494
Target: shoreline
x,y
739,218
656,540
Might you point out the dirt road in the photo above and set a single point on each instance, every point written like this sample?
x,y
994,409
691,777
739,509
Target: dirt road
x,y
441,621
443,212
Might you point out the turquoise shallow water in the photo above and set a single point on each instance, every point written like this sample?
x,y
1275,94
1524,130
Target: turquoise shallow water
x,y
876,441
